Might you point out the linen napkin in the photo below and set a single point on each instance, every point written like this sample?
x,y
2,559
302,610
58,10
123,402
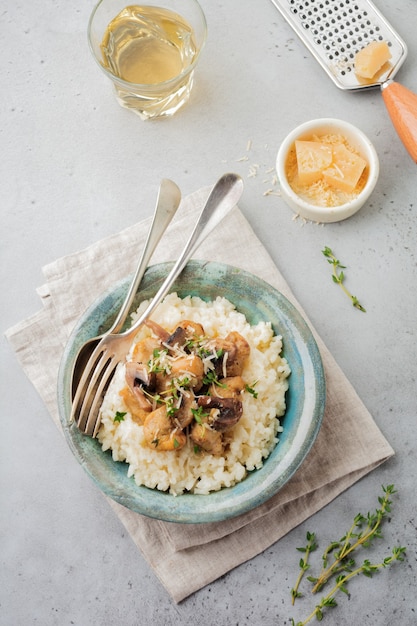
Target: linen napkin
x,y
187,557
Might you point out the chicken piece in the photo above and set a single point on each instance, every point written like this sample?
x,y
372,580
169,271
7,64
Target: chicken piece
x,y
132,405
187,371
224,413
208,439
225,352
233,352
234,367
183,416
230,387
161,433
144,349
190,366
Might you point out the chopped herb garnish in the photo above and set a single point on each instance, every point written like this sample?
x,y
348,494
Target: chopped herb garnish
x,y
119,417
251,389
155,364
198,414
203,352
211,378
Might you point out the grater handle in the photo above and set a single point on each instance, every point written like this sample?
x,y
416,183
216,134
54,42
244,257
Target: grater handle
x,y
401,104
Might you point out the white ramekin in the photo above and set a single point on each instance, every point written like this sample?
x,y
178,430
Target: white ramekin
x,y
357,139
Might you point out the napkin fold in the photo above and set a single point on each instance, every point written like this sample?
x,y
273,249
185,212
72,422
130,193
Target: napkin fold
x,y
349,445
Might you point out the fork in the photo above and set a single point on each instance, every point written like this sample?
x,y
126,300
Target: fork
x,y
167,203
112,348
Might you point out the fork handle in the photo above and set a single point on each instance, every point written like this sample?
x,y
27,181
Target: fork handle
x,y
168,200
401,104
223,197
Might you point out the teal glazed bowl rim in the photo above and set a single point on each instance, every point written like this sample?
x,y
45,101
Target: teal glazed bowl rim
x,y
305,398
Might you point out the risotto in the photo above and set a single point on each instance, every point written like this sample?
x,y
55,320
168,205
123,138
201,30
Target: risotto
x,y
245,432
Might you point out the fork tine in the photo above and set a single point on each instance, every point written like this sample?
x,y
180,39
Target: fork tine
x,y
83,384
100,383
89,390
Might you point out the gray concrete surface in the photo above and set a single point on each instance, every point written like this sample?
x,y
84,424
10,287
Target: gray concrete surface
x,y
76,167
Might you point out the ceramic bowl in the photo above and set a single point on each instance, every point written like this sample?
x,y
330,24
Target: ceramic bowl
x,y
305,398
357,139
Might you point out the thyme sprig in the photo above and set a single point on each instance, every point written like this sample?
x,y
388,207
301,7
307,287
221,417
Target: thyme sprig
x,y
337,559
339,277
367,569
303,563
361,533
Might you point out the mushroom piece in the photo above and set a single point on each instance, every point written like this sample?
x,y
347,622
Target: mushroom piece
x,y
177,338
186,332
157,330
138,379
224,412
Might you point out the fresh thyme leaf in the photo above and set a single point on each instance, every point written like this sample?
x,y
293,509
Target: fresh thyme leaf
x,y
338,276
119,417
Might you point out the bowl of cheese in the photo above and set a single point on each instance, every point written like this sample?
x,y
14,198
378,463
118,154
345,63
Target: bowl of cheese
x,y
327,169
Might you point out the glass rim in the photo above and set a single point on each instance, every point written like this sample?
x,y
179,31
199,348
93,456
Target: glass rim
x,y
129,85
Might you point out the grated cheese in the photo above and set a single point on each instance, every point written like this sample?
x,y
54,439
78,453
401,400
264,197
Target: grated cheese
x,y
335,183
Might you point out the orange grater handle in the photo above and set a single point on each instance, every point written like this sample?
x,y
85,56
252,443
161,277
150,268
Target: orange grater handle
x,y
401,104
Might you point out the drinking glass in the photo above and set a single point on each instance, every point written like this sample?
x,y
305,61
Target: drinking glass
x,y
148,51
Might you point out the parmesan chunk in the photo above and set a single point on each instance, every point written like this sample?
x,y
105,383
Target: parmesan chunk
x,y
312,158
346,169
370,59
